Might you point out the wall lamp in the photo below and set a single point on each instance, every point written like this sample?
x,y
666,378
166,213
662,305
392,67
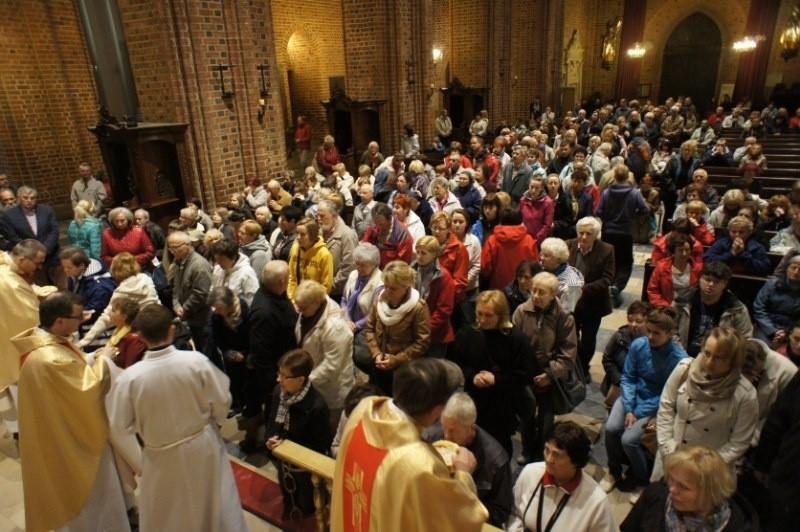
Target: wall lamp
x,y
436,56
222,68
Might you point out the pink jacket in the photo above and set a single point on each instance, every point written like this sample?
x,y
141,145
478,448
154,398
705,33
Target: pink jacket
x,y
537,215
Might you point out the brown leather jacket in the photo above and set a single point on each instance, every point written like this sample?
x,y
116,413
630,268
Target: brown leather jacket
x,y
552,334
408,339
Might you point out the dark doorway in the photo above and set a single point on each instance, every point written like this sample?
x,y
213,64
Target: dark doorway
x,y
691,61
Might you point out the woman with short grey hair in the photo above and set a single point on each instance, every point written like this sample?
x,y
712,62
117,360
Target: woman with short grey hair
x,y
363,286
123,236
554,255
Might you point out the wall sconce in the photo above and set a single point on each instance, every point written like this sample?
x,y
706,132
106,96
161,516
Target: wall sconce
x,y
747,43
222,68
609,52
436,56
790,37
264,86
637,52
409,72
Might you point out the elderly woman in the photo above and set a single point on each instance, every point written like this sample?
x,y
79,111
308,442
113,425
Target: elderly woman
x,y
518,291
777,305
674,275
361,291
648,365
707,401
309,258
696,495
491,207
124,236
327,156
443,200
219,217
324,333
232,269
554,255
398,326
254,245
437,288
132,284
84,230
298,414
454,256
537,209
401,207
557,494
788,237
372,156
551,331
254,193
227,343
728,208
743,254
467,193
498,362
389,235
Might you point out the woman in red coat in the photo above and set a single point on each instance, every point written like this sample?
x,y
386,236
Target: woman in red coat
x,y
505,248
437,288
674,275
454,256
123,235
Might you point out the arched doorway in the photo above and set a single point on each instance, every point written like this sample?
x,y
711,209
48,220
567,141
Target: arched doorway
x,y
691,61
304,79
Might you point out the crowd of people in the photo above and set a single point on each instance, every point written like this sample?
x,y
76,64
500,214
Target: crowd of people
x,y
310,293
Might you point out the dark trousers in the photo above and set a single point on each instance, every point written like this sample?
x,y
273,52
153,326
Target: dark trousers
x,y
623,257
257,391
545,417
587,323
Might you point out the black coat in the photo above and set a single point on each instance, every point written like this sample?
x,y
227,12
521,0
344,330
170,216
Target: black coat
x,y
597,276
15,228
648,513
272,320
509,356
614,357
308,422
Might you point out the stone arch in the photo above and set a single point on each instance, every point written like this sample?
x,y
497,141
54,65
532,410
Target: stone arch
x,y
690,60
302,75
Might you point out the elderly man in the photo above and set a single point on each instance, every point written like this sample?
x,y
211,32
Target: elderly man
x,y
340,241
493,474
78,487
595,260
21,305
30,220
516,176
278,197
708,305
703,135
327,156
86,187
153,230
362,214
444,127
7,198
5,182
743,254
740,152
383,460
191,284
672,126
302,138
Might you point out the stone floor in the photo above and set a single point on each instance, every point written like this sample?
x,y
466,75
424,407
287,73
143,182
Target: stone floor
x,y
590,414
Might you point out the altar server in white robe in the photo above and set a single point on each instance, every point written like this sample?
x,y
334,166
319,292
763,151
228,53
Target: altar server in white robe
x,y
175,400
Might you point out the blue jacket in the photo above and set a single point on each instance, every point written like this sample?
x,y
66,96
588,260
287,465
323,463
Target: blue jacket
x,y
95,286
619,206
470,200
777,306
86,236
645,373
752,261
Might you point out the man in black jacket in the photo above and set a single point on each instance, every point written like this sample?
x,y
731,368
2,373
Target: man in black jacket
x,y
272,320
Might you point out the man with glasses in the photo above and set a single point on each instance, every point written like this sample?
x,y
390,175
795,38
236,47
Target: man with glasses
x,y
21,304
85,490
191,284
29,220
708,305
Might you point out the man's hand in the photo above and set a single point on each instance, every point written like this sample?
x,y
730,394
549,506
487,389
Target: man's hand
x,y
273,442
465,461
630,419
483,379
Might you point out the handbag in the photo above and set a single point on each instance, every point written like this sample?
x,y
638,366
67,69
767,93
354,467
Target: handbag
x,y
569,393
649,439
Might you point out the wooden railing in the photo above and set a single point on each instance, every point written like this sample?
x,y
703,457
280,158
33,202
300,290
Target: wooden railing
x,y
321,468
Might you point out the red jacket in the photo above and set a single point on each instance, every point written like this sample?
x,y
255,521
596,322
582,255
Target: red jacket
x,y
326,159
302,136
506,247
398,246
133,240
660,250
703,234
440,302
660,290
455,259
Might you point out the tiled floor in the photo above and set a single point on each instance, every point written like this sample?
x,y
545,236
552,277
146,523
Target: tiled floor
x,y
590,414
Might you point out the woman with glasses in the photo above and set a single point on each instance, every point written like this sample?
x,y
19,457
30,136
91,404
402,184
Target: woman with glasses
x,y
299,414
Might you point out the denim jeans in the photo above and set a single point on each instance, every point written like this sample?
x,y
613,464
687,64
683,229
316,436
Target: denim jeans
x,y
622,443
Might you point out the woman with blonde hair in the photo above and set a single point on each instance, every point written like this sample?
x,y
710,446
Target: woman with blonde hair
x,y
85,231
697,495
131,284
309,258
437,287
708,401
398,326
254,245
498,362
219,217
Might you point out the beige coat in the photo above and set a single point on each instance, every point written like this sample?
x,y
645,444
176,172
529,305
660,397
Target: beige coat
x,y
408,339
552,334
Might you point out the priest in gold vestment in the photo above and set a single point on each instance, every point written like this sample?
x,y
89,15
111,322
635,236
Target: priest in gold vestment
x,y
69,477
387,478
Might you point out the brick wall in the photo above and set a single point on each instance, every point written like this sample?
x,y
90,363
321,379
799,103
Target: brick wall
x,y
47,97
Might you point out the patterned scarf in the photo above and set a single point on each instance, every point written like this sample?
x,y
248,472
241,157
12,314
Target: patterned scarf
x,y
686,522
287,400
704,388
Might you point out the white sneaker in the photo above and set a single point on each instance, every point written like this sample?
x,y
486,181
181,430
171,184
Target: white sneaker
x,y
608,482
635,495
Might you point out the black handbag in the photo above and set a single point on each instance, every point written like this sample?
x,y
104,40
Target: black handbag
x,y
569,393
